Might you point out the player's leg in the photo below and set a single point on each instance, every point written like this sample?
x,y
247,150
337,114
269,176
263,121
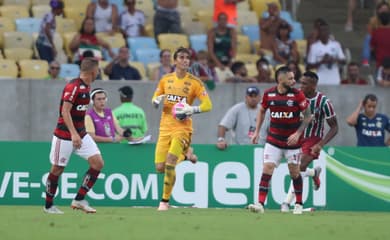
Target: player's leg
x,y
189,155
178,147
59,156
308,157
161,152
89,151
293,159
272,157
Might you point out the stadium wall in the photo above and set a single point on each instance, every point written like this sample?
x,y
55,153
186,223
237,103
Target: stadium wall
x,y
222,179
29,108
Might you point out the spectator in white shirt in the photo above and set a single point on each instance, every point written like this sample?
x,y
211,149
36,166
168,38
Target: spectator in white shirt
x,y
326,55
132,21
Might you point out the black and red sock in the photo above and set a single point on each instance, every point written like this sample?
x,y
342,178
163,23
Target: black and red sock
x,y
263,187
298,185
88,182
51,188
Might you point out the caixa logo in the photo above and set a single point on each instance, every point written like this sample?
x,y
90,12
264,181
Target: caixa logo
x,y
82,107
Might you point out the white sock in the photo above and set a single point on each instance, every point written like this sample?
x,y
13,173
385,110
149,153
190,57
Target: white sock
x,y
290,195
310,172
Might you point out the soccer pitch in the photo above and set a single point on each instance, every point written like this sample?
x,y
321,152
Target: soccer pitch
x,y
29,222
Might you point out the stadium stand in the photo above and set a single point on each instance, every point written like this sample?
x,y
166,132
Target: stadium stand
x,y
172,41
33,69
198,42
28,25
69,70
38,11
8,69
17,54
147,55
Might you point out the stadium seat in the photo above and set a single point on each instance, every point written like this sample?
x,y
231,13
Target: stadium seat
x,y
145,5
246,18
147,56
243,44
6,25
120,5
102,65
8,69
40,2
135,43
297,31
80,4
17,54
260,6
184,3
16,2
173,41
140,67
198,42
191,28
252,69
33,69
206,17
302,46
198,5
28,25
65,25
38,11
151,67
75,13
17,40
247,58
58,42
14,11
115,41
1,55
252,31
69,71
149,30
244,5
67,37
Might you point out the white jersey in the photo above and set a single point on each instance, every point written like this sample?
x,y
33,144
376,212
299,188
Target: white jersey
x,y
131,23
328,75
103,18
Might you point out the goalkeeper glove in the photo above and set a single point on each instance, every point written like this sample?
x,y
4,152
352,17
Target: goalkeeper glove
x,y
188,110
158,100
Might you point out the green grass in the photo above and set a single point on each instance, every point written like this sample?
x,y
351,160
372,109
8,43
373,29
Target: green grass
x,y
30,223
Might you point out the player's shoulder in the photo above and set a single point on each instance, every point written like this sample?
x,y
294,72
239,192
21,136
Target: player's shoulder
x,y
194,78
168,76
270,90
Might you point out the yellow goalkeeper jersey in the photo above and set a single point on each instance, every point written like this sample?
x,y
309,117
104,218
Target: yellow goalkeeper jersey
x,y
175,90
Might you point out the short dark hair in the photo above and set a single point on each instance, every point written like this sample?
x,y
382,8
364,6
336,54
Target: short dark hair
x,y
384,18
236,66
353,64
280,71
180,50
386,62
262,60
371,97
311,75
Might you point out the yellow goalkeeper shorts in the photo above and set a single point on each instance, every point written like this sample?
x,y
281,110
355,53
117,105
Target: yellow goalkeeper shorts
x,y
175,143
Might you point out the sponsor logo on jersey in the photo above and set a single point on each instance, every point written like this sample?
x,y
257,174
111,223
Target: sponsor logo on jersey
x,y
175,98
290,103
82,107
271,94
290,94
372,133
282,115
82,87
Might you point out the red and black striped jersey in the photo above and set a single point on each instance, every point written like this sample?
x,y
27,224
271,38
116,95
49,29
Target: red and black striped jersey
x,y
77,93
285,111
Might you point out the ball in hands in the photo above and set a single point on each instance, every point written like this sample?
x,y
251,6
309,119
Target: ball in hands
x,y
177,112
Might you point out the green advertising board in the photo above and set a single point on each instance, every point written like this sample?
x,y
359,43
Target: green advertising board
x,y
356,178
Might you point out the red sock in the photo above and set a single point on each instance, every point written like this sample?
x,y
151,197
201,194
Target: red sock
x,y
89,180
298,184
263,187
51,188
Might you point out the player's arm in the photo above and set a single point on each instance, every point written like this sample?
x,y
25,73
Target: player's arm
x,y
159,94
259,123
353,118
66,108
333,129
307,117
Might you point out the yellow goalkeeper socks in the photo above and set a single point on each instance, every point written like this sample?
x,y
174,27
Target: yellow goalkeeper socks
x,y
169,181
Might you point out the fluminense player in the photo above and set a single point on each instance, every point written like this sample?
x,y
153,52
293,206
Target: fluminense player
x,y
71,136
175,135
284,139
314,139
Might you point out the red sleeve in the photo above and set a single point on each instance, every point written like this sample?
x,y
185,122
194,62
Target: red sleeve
x,y
264,101
70,93
303,103
373,39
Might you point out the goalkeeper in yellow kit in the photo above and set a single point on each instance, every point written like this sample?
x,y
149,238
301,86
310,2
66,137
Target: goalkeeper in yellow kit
x,y
175,135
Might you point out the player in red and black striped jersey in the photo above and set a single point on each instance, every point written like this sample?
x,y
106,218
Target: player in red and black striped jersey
x,y
286,104
70,136
76,92
321,109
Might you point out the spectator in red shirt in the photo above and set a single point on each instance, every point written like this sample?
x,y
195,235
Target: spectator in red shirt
x,y
383,75
380,39
353,75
